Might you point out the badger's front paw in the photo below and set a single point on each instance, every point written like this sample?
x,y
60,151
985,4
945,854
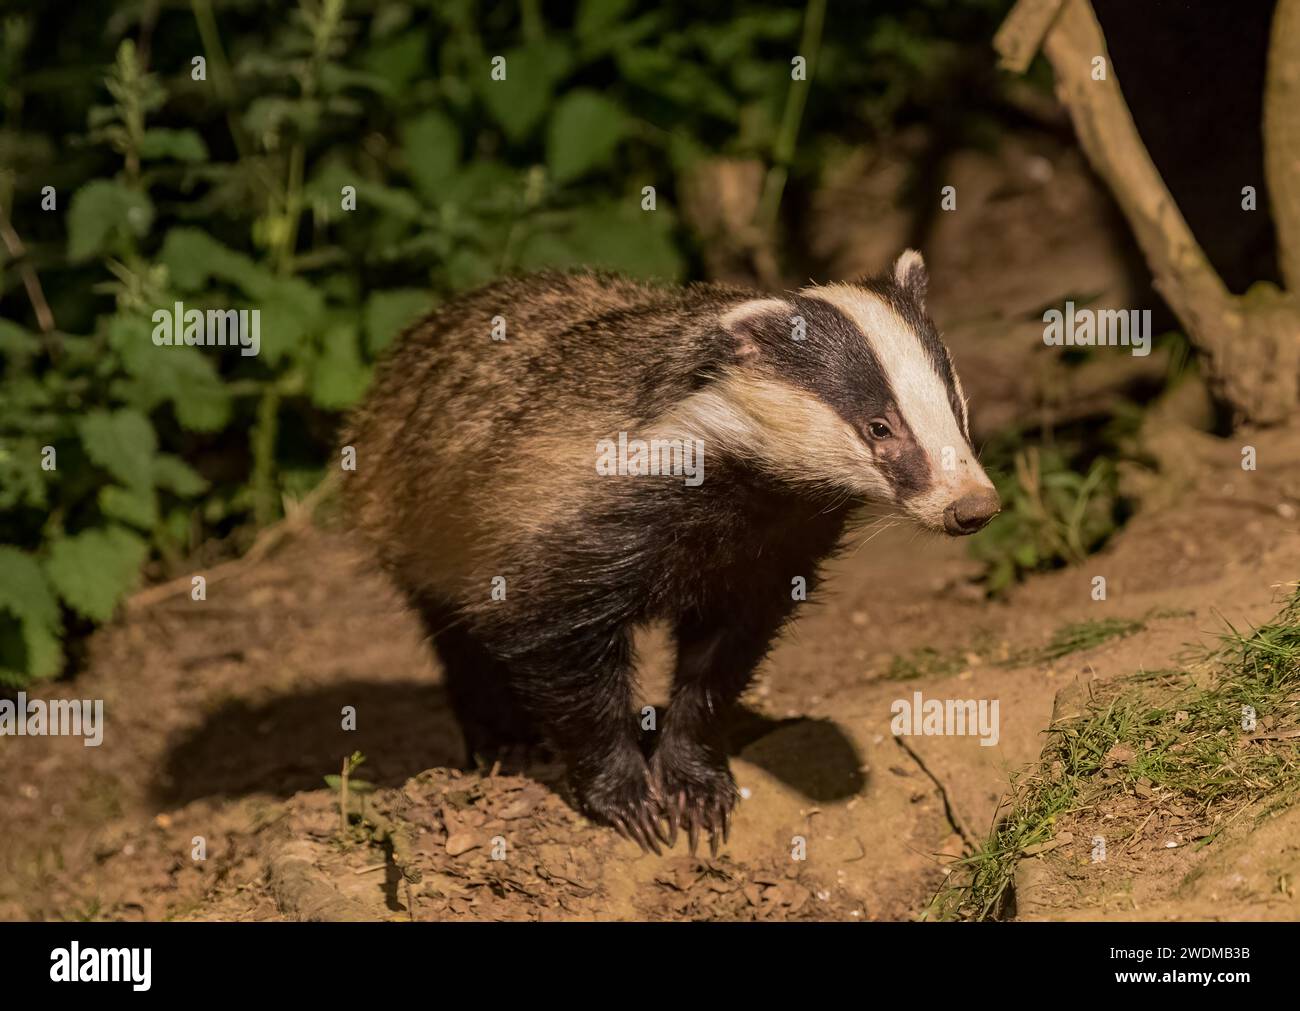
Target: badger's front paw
x,y
697,790
622,796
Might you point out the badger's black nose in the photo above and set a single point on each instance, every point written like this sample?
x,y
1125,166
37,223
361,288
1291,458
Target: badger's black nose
x,y
971,511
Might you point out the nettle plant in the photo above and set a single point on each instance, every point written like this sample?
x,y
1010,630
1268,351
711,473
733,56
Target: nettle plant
x,y
340,168
83,478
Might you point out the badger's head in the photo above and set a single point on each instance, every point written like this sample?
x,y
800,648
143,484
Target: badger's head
x,y
848,387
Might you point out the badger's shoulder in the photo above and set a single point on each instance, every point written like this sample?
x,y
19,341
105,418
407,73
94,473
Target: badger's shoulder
x,y
551,303
587,335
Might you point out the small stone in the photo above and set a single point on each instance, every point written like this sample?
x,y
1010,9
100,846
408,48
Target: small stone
x,y
462,842
518,809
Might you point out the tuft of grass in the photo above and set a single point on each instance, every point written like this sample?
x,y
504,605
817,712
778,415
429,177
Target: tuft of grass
x,y
925,662
1079,636
1212,745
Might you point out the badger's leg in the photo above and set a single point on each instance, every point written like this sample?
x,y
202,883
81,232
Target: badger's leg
x,y
716,657
491,717
580,698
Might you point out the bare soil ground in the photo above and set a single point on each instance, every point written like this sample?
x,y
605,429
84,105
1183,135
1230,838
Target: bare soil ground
x,y
225,715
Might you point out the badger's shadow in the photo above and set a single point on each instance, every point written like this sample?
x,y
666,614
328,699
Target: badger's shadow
x,y
289,743
810,755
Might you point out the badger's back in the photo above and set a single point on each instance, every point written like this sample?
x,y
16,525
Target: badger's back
x,y
467,446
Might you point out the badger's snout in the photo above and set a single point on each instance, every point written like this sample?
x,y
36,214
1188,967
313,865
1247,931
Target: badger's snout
x,y
970,512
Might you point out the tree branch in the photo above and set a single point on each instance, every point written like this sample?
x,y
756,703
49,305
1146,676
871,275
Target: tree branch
x,y
1021,34
32,282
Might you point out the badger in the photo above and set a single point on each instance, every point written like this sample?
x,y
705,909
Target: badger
x,y
501,477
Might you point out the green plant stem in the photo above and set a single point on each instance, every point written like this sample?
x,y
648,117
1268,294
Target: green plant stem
x,y
264,436
222,81
531,15
795,101
292,210
265,483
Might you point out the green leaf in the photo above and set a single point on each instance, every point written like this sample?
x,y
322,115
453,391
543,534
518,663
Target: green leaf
x,y
484,185
635,245
17,346
290,307
685,150
680,81
28,652
94,569
268,115
398,60
1026,556
135,505
616,236
596,16
24,591
468,267
388,313
22,481
175,475
122,442
432,145
584,134
193,257
600,36
102,209
520,101
553,250
339,378
336,78
180,145
292,311
181,375
30,623
172,536
398,202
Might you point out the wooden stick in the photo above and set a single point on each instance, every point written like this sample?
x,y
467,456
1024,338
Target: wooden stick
x,y
1022,33
35,293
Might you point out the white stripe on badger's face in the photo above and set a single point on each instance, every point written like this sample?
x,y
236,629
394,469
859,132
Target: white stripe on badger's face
x,y
749,413
779,427
921,396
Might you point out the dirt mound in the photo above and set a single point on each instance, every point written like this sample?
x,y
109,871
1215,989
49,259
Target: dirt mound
x,y
449,845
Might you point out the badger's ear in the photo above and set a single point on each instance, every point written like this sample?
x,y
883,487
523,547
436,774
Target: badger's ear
x,y
910,274
755,324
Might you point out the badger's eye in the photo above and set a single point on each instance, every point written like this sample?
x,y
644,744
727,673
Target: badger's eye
x,y
879,430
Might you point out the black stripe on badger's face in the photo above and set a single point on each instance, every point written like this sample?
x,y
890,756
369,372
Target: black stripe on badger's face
x,y
848,386
835,362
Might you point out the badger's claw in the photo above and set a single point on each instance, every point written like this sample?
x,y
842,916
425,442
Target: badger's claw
x,y
700,795
636,828
628,804
675,815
